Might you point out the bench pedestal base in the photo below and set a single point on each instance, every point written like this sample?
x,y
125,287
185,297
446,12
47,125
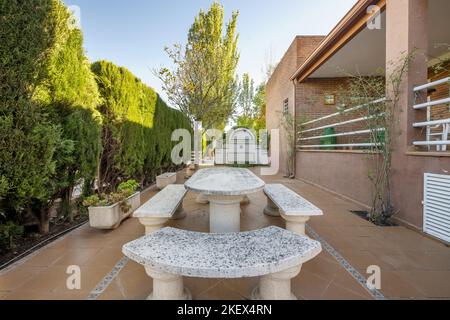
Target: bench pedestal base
x,y
271,209
296,224
276,286
153,224
167,286
179,214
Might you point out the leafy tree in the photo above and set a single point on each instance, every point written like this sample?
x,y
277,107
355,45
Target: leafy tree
x,y
260,103
203,83
246,97
253,105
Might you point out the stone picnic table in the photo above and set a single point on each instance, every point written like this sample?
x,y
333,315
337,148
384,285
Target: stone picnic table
x,y
225,188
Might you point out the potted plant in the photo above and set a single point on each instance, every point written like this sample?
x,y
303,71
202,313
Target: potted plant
x,y
108,213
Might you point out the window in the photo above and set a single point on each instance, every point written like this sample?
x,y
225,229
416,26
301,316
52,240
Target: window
x,y
286,106
330,99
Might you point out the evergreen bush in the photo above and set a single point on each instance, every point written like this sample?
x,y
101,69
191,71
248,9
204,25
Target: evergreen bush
x,y
137,128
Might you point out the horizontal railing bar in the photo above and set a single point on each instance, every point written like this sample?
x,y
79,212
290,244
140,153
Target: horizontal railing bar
x,y
432,143
431,123
431,84
353,133
344,122
342,145
432,103
343,112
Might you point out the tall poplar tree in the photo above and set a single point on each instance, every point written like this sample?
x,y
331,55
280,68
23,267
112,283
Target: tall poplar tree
x,y
203,83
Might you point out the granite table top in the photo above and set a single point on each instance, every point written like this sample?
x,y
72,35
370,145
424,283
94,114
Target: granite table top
x,y
225,182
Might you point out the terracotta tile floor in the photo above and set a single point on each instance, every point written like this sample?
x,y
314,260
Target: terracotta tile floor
x,y
412,265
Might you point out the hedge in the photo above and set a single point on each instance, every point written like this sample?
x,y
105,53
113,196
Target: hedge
x,y
28,139
70,95
137,127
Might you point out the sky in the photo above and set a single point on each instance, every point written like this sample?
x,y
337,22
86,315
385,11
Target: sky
x,y
133,33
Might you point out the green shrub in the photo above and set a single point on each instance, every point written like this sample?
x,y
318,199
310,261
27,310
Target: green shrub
x,y
124,191
137,127
91,201
49,125
130,186
29,140
9,234
70,94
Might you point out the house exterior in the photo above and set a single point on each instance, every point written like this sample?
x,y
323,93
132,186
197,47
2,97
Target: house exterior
x,y
371,40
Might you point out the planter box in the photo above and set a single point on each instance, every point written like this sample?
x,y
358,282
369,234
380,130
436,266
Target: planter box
x,y
108,218
166,179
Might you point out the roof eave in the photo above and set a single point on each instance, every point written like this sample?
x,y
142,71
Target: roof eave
x,y
349,26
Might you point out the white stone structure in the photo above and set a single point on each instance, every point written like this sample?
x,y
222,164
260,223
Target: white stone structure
x,y
166,179
295,210
274,254
225,188
167,204
241,147
110,217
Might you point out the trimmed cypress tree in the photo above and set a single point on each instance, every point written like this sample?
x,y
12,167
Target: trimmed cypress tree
x,y
70,95
49,130
137,127
28,139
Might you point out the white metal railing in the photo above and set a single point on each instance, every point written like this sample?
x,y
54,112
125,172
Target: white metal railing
x,y
338,124
353,133
442,140
342,145
344,112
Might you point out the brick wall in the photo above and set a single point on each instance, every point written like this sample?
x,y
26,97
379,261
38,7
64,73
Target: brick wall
x,y
442,92
310,105
437,112
280,88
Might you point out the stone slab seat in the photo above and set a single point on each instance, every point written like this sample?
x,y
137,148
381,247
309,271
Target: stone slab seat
x,y
165,205
294,209
273,253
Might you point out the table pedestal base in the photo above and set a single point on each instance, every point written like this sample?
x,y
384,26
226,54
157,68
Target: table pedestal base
x,y
245,201
225,214
202,199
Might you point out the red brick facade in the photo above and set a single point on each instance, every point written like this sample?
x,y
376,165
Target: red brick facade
x,y
280,88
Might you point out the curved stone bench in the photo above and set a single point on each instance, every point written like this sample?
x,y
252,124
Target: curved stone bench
x,y
273,253
165,205
294,209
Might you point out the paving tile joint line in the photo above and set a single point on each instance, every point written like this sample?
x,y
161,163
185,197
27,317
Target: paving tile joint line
x,y
108,279
376,294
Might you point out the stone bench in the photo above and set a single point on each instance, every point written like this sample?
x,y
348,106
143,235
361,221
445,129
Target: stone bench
x,y
274,254
295,210
165,205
